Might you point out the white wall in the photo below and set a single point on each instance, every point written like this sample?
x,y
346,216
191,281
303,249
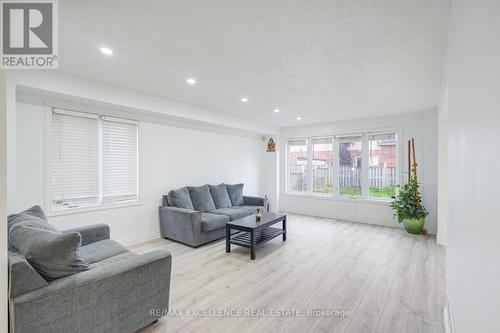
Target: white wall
x,y
442,232
171,157
420,125
3,204
473,265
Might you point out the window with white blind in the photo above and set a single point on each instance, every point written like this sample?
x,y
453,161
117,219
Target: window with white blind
x,y
93,160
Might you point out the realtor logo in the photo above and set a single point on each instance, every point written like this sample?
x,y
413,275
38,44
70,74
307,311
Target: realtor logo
x,y
29,34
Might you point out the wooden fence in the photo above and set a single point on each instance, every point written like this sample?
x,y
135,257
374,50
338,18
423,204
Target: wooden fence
x,y
380,177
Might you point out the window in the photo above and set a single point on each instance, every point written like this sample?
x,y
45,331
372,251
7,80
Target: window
x,y
322,165
297,165
362,165
93,160
350,161
382,170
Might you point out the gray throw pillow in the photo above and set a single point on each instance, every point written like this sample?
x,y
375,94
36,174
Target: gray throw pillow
x,y
220,195
235,194
180,198
201,198
34,213
51,253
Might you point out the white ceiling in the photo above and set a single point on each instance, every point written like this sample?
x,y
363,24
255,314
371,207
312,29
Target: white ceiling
x,y
323,60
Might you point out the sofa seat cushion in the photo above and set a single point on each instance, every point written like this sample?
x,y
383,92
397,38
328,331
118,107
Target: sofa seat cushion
x,y
235,194
252,209
220,196
180,198
110,260
233,213
201,198
101,250
211,221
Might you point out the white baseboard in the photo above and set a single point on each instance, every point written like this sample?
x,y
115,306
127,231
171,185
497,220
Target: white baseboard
x,y
449,325
359,219
129,241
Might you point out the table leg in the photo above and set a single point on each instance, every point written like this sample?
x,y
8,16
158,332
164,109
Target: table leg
x,y
252,244
228,239
284,229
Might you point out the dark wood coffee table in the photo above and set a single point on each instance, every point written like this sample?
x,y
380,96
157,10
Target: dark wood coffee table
x,y
252,233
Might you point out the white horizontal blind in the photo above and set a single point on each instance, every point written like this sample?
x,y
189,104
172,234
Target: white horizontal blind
x,y
74,165
119,159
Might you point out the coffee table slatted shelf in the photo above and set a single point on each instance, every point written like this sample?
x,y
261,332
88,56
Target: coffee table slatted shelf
x,y
261,236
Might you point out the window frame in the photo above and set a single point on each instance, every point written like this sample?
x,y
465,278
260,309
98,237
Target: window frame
x,y
51,212
335,195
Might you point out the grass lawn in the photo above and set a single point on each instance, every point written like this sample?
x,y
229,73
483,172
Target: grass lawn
x,y
375,192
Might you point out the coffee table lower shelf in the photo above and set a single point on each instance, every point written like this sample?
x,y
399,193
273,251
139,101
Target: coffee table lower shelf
x,y
261,236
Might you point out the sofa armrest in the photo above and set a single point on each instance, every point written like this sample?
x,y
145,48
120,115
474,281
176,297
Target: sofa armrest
x,y
22,277
92,233
255,201
182,225
121,294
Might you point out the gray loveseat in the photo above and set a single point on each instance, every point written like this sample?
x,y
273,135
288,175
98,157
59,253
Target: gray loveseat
x,y
115,291
198,215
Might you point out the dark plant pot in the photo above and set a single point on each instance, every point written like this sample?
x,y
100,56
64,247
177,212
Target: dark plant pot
x,y
414,226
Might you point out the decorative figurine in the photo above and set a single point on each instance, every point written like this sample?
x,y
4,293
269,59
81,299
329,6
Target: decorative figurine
x,y
271,146
258,215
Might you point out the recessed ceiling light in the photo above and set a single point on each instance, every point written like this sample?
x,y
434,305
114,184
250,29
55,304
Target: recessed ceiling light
x,y
106,51
244,99
276,110
191,81
298,118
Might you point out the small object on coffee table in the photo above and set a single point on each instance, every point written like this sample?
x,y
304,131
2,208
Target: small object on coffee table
x,y
258,215
252,233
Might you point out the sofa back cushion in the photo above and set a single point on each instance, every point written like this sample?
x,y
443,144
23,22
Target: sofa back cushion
x,y
51,253
32,216
201,198
180,198
220,196
235,194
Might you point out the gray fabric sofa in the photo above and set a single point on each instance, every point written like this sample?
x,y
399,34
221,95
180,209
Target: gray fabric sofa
x,y
119,291
198,215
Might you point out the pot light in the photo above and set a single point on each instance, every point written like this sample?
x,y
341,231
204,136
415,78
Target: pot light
x,y
244,99
299,118
276,110
106,51
191,81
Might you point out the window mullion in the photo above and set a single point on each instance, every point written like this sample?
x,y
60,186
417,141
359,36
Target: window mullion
x,y
365,166
335,171
309,166
99,157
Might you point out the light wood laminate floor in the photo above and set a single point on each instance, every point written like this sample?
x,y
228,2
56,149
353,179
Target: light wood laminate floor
x,y
388,280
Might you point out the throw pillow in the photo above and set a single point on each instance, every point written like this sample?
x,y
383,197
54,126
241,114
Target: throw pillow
x,y
235,194
180,198
201,198
220,195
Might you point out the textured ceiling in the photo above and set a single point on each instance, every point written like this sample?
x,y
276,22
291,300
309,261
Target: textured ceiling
x,y
323,60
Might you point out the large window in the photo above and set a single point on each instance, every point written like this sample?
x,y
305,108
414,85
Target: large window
x,y
93,160
362,165
297,165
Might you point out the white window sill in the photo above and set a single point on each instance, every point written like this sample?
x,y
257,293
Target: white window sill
x,y
87,209
338,197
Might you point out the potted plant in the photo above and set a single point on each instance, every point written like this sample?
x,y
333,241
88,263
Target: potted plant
x,y
407,205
